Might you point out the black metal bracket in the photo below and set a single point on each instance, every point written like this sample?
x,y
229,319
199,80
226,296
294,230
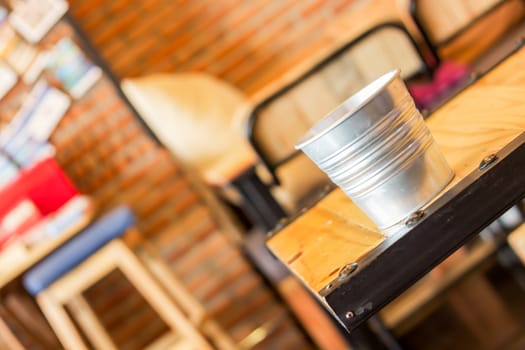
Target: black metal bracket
x,y
448,223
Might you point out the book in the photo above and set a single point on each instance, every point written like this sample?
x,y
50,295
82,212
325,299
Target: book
x,y
38,116
73,70
8,79
14,50
34,18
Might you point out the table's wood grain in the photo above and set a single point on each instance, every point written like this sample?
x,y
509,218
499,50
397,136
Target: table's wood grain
x,y
479,121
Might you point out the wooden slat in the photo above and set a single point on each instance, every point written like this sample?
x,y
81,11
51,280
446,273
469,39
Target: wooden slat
x,y
479,121
95,331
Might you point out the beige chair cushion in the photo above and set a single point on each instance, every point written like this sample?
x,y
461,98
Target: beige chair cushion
x,y
196,117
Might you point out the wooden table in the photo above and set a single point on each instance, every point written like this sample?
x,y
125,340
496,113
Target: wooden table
x,y
18,257
340,254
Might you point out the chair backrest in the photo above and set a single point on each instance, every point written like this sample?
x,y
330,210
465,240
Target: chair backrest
x,y
440,22
278,122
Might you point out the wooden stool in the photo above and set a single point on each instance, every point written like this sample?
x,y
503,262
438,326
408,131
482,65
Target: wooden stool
x,y
192,308
61,278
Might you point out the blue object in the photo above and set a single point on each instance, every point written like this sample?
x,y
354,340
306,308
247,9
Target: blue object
x,y
78,249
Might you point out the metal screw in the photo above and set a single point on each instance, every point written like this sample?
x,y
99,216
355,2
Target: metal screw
x,y
349,314
414,218
326,289
488,160
347,270
326,190
474,75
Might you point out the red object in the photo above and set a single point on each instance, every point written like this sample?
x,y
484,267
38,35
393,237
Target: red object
x,y
446,77
43,186
44,183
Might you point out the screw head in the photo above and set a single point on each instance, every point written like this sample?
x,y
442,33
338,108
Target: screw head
x,y
326,289
349,314
347,270
485,162
414,218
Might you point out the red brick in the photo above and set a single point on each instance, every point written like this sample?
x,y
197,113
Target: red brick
x,y
183,17
148,5
83,8
148,24
246,13
168,50
341,6
117,6
314,6
115,25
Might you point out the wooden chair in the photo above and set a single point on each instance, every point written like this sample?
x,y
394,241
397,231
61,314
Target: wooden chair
x,y
62,277
199,119
279,120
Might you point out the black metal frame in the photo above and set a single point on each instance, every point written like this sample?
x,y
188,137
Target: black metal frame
x,y
254,117
434,47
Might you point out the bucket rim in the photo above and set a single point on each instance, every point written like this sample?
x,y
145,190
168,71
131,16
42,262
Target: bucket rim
x,y
371,91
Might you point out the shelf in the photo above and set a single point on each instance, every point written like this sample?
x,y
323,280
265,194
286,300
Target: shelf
x,y
486,118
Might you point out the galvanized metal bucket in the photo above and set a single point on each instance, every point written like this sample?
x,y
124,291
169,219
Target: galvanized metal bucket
x,y
377,148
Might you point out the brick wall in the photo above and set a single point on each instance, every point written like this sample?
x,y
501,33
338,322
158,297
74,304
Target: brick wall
x,y
247,43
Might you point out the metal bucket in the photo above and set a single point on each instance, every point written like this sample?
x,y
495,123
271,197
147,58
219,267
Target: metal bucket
x,y
377,148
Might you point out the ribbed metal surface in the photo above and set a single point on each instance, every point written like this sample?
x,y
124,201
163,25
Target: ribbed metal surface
x,y
377,148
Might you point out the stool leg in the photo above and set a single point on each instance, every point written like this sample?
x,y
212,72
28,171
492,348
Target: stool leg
x,y
195,310
87,320
25,314
158,299
8,337
60,322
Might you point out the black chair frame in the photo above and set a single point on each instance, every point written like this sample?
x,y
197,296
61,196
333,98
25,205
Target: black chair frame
x,y
255,114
